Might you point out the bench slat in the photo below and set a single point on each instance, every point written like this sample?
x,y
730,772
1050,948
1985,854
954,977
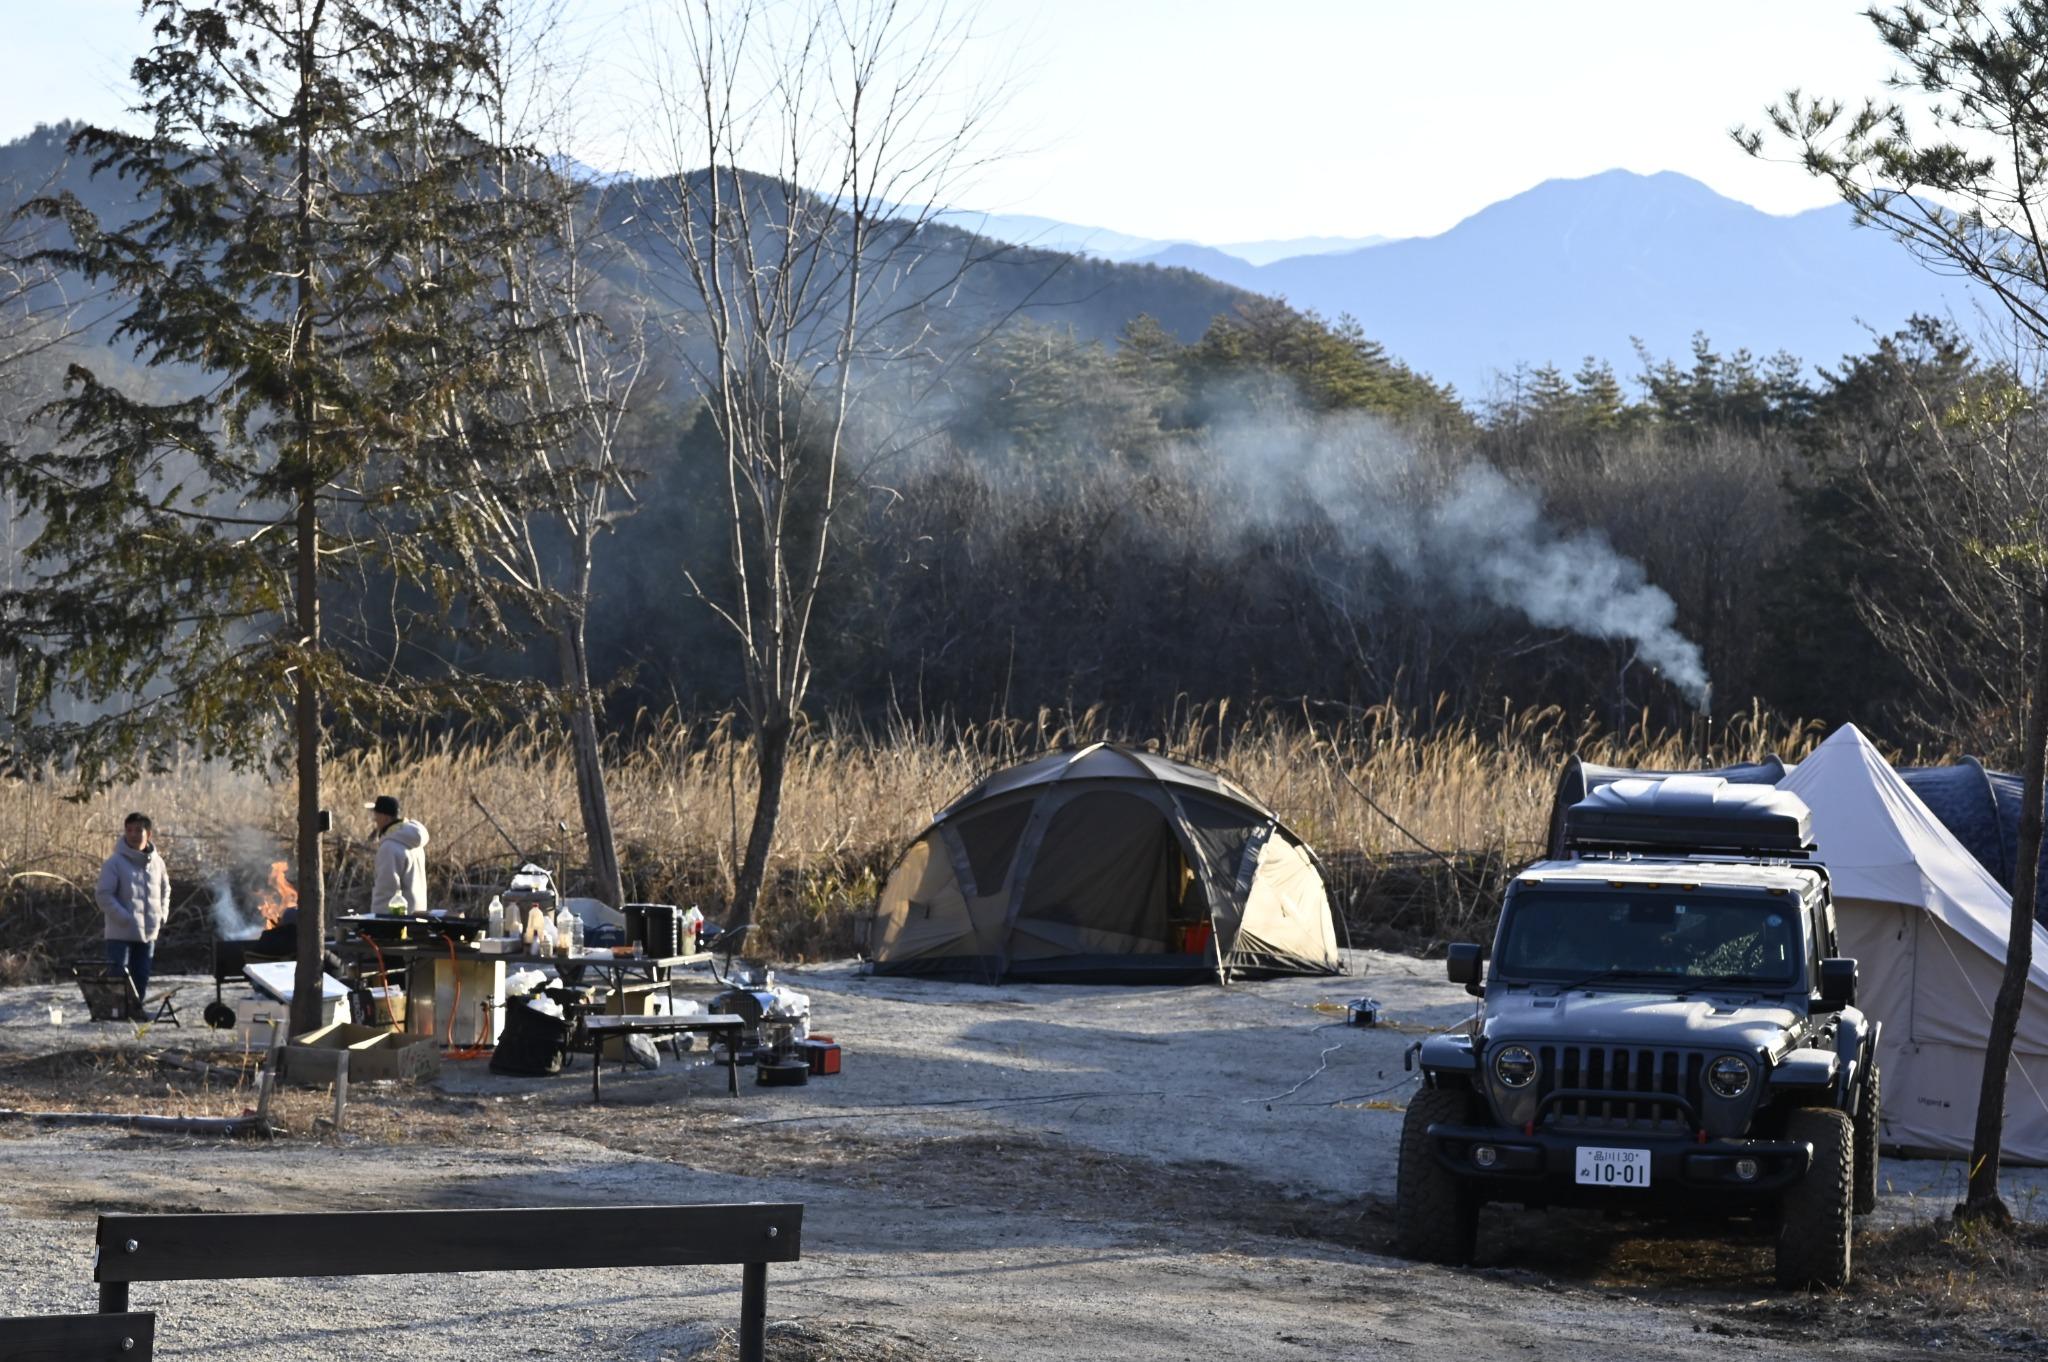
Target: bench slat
x,y
363,1243
78,1338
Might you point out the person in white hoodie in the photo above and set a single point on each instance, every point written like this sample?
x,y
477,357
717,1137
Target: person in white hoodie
x,y
134,895
400,884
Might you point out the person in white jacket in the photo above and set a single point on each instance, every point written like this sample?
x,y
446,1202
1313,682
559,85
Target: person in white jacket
x,y
400,884
134,895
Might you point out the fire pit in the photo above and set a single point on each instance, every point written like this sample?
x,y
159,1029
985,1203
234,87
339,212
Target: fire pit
x,y
235,946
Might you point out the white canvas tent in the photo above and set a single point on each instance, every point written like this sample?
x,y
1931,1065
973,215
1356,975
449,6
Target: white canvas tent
x,y
1927,925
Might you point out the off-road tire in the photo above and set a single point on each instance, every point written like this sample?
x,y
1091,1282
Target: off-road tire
x,y
1867,1117
1816,1220
1436,1213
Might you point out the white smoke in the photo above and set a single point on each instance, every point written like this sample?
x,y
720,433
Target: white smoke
x,y
231,921
1449,525
1493,543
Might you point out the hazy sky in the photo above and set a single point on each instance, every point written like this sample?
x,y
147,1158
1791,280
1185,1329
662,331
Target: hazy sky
x,y
1221,120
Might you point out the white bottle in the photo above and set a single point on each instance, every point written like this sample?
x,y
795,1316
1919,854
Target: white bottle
x,y
565,930
495,918
575,934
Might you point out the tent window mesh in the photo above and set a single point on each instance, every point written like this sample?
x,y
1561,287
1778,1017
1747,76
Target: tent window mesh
x,y
991,841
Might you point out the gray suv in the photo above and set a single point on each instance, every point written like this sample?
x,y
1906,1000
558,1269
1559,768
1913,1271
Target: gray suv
x,y
1666,1028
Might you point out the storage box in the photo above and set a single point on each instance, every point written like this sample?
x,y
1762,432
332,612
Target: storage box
x,y
821,1055
373,1053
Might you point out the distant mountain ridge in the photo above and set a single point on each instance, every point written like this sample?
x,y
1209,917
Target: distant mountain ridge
x,y
1051,234
1573,268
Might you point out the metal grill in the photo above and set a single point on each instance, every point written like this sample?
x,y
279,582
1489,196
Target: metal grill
x,y
1609,1085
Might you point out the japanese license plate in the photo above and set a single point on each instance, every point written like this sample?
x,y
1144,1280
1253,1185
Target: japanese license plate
x,y
1600,1167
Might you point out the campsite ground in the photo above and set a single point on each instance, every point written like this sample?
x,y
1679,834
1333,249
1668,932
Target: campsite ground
x,y
1000,1173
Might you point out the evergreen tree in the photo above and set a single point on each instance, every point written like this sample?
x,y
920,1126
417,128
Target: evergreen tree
x,y
306,245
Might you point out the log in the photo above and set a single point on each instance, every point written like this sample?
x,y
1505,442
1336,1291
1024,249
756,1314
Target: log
x,y
169,1125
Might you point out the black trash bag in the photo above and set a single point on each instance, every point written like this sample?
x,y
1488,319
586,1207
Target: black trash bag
x,y
532,1045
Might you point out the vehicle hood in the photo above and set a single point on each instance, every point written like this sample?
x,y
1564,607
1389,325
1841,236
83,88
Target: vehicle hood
x,y
1723,1020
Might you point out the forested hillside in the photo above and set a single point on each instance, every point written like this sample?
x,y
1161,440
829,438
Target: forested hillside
x,y
1127,485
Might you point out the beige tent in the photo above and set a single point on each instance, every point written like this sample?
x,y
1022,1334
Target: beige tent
x,y
1105,865
1927,925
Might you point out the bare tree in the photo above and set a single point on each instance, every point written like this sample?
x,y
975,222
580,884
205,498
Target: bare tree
x,y
582,353
806,149
1957,172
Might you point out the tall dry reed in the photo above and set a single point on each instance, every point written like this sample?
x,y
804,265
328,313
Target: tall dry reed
x,y
853,796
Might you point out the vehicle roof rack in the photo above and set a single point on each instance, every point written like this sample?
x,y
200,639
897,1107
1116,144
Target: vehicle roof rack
x,y
1691,815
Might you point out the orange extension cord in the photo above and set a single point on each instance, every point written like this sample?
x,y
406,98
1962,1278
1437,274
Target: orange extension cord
x,y
452,1050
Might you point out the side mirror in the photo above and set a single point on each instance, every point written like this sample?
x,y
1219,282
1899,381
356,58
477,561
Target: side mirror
x,y
1837,984
1463,965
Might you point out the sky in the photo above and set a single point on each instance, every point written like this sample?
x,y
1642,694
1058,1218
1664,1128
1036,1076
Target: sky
x,y
1223,121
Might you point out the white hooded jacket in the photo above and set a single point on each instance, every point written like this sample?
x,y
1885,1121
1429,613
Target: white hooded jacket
x,y
134,893
401,882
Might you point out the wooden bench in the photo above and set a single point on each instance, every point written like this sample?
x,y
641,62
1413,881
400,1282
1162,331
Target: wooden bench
x,y
78,1338
169,1248
595,1028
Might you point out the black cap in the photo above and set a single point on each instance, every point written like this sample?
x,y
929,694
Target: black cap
x,y
384,804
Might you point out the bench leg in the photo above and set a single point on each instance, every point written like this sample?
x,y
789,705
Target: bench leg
x,y
732,1066
114,1298
753,1312
597,1073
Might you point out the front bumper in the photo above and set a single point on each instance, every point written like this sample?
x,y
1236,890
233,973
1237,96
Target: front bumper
x,y
1549,1157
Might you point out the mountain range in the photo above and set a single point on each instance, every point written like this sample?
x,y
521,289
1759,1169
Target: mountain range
x,y
1587,267
1567,270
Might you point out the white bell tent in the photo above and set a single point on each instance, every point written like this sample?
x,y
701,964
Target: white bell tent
x,y
1928,926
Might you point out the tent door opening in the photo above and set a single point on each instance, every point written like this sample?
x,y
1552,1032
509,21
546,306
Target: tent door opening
x,y
1111,876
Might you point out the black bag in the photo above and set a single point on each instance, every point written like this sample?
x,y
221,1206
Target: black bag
x,y
533,1044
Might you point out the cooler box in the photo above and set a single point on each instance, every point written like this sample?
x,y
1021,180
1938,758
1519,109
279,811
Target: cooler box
x,y
821,1055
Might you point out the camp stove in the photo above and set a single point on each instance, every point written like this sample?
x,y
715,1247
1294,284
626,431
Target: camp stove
x,y
776,1022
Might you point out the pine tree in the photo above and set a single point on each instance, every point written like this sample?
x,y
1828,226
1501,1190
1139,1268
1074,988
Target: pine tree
x,y
305,247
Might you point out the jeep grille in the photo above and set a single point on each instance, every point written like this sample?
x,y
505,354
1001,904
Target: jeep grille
x,y
1623,1076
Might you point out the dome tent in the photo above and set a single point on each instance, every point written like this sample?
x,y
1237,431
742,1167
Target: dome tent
x,y
1105,865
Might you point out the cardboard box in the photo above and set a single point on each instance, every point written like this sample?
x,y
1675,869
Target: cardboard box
x,y
373,1053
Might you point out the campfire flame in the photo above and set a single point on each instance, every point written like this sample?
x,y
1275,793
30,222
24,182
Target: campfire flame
x,y
276,896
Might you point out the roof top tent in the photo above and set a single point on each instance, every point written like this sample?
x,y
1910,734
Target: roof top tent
x,y
1582,778
1980,807
1690,814
1106,865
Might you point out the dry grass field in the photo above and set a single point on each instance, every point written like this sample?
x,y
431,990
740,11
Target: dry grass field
x,y
1369,789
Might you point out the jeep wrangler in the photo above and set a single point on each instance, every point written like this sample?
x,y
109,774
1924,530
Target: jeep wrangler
x,y
1665,1029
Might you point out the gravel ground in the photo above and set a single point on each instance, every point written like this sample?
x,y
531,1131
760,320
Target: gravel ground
x,y
1000,1173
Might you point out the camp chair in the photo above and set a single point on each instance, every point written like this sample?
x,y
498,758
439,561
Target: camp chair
x,y
110,996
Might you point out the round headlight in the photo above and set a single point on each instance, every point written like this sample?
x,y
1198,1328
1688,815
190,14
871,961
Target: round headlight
x,y
1515,1066
1728,1076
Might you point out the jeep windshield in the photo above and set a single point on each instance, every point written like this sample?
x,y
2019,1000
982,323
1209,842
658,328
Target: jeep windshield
x,y
1649,937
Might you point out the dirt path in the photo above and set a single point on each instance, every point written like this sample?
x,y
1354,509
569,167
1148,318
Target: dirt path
x,y
1000,1174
